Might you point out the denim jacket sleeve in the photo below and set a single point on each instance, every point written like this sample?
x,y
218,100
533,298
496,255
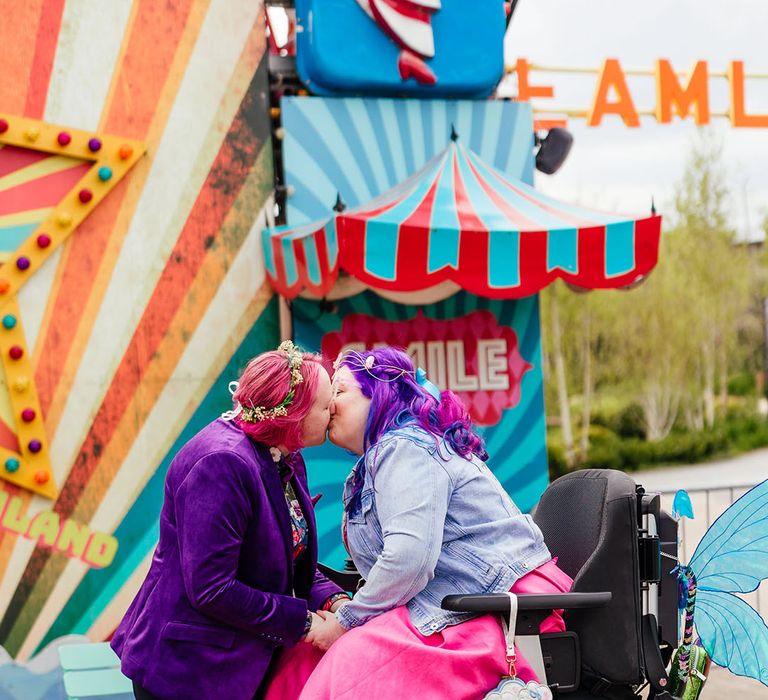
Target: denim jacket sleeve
x,y
411,492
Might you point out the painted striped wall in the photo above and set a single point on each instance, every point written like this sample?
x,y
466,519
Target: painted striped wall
x,y
158,298
360,147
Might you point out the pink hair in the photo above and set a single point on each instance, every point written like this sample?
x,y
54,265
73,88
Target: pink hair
x,y
266,382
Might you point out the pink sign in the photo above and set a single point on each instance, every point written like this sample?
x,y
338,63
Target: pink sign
x,y
472,355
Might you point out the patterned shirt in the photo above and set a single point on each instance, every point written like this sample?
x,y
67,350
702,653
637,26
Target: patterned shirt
x,y
298,522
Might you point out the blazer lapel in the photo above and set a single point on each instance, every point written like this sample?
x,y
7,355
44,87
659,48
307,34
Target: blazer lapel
x,y
276,493
305,501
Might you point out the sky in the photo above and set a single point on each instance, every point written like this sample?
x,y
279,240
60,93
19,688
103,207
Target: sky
x,y
613,167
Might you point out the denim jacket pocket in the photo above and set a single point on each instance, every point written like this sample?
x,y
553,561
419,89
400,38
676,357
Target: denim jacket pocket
x,y
458,550
366,503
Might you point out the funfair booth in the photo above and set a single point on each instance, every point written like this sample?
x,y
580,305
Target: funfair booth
x,y
410,220
139,141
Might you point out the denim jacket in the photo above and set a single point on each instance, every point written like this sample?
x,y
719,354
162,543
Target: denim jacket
x,y
427,526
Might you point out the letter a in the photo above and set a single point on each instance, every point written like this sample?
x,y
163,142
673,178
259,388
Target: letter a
x,y
611,76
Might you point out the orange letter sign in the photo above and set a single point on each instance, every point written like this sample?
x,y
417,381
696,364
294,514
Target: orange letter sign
x,y
525,91
670,94
738,116
611,76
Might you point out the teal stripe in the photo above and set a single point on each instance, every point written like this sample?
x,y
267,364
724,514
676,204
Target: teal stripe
x,y
381,249
484,207
289,261
137,533
444,236
11,237
310,255
563,250
332,242
542,219
503,259
619,248
526,497
419,188
530,386
382,233
266,247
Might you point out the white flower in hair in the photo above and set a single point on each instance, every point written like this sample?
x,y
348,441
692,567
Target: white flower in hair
x,y
276,454
369,361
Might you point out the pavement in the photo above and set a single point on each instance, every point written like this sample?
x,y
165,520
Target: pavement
x,y
722,685
745,470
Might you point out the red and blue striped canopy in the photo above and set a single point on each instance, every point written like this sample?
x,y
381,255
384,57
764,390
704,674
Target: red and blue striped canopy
x,y
459,219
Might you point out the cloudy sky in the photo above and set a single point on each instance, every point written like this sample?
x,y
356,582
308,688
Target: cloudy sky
x,y
619,168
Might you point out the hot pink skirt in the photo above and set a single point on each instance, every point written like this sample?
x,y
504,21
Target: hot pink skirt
x,y
387,658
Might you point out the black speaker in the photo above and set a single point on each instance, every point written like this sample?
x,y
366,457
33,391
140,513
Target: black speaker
x,y
553,150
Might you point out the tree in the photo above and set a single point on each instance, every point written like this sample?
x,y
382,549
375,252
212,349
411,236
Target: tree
x,y
668,343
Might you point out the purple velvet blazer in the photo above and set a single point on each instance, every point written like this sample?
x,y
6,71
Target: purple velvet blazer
x,y
217,601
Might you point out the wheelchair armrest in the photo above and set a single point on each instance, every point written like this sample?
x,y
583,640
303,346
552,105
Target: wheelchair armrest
x,y
499,602
348,580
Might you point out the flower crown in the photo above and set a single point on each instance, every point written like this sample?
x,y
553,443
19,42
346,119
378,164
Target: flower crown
x,y
357,362
255,414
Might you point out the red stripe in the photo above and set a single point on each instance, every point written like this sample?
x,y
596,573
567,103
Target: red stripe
x,y
647,236
155,34
328,275
473,238
371,213
45,51
591,256
516,218
229,171
566,218
404,8
300,261
13,158
533,261
8,438
413,240
46,191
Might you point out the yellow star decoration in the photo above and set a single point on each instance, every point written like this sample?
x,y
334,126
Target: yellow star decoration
x,y
111,158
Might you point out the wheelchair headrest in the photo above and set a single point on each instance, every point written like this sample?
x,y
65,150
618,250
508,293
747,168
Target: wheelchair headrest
x,y
573,517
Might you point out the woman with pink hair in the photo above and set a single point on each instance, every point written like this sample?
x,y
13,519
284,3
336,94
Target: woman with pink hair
x,y
424,518
234,577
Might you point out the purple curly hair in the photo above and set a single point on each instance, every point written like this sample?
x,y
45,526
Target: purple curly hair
x,y
397,399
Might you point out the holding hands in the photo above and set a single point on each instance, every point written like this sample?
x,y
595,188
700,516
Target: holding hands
x,y
325,629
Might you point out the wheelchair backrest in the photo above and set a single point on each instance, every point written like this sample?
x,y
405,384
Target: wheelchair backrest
x,y
590,523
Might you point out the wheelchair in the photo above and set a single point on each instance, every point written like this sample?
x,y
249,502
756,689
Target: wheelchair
x,y
621,615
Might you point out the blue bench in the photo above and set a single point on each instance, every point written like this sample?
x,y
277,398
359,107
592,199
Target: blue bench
x,y
92,672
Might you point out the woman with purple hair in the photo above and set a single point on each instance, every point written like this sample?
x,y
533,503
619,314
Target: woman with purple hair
x,y
424,517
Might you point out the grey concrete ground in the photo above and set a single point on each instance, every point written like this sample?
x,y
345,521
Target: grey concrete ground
x,y
745,470
723,685
725,479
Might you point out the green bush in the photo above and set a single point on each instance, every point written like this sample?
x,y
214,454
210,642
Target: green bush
x,y
742,384
630,422
739,430
556,459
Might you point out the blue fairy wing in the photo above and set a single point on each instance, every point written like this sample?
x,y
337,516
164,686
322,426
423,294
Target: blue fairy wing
x,y
733,554
682,506
735,636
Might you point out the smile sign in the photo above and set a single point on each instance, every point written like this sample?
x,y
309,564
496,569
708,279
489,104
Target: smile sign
x,y
472,355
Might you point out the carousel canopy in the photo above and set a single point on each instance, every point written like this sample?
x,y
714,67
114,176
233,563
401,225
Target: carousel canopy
x,y
459,219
